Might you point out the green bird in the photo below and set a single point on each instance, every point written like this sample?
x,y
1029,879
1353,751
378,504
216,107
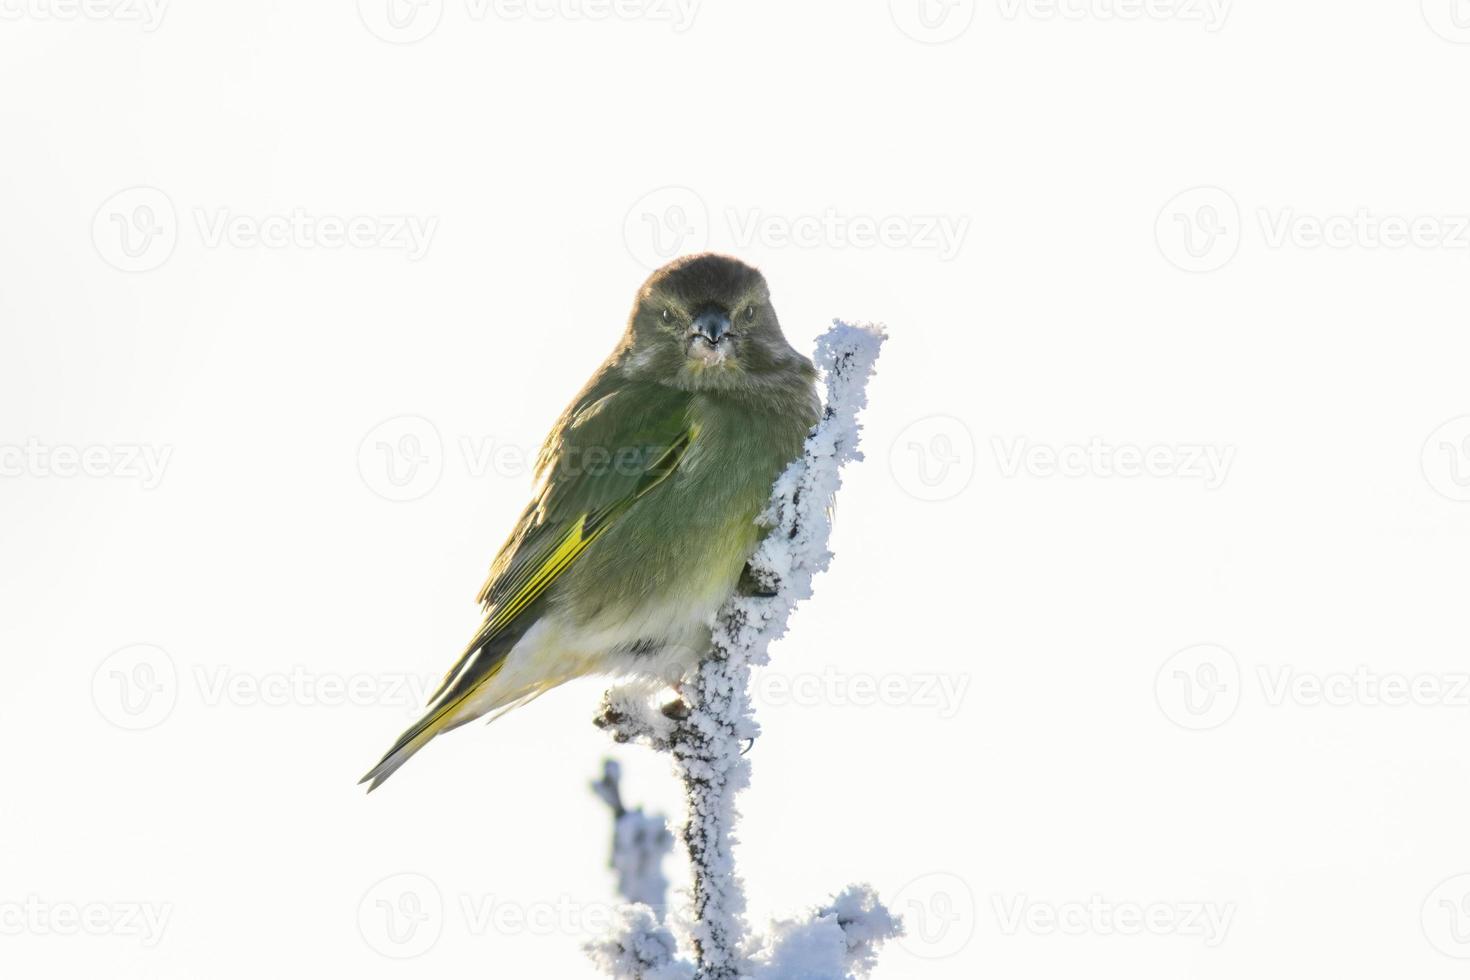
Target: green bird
x,y
648,491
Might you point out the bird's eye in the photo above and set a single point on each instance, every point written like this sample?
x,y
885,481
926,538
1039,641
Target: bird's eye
x,y
750,312
668,315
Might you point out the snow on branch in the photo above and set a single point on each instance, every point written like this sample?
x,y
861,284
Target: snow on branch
x,y
708,731
639,843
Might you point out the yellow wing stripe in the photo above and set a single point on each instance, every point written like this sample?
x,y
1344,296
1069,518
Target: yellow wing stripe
x,y
570,547
585,530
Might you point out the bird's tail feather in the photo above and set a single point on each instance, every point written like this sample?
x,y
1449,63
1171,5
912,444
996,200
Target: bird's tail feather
x,y
437,720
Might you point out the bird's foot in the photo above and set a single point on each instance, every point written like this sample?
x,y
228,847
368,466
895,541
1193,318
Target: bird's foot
x,y
755,585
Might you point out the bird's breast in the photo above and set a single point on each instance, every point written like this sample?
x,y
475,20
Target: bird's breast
x,y
667,565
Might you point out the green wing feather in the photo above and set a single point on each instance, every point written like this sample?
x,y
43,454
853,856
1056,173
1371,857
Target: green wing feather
x,y
608,449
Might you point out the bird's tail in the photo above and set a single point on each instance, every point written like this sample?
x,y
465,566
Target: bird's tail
x,y
476,667
443,715
420,734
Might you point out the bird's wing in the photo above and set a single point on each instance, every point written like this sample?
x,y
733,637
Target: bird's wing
x,y
608,450
613,445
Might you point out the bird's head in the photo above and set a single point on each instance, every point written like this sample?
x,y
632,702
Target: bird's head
x,y
706,322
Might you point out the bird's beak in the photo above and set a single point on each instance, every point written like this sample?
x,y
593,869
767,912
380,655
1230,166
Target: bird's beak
x,y
711,325
705,333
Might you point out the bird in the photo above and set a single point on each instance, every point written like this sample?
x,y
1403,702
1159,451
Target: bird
x,y
645,512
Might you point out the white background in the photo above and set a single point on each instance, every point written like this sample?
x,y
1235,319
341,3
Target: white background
x,y
295,393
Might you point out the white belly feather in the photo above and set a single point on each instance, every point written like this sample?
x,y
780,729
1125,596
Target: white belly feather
x,y
557,649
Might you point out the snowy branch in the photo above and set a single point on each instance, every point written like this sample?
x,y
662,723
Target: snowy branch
x,y
640,842
706,734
